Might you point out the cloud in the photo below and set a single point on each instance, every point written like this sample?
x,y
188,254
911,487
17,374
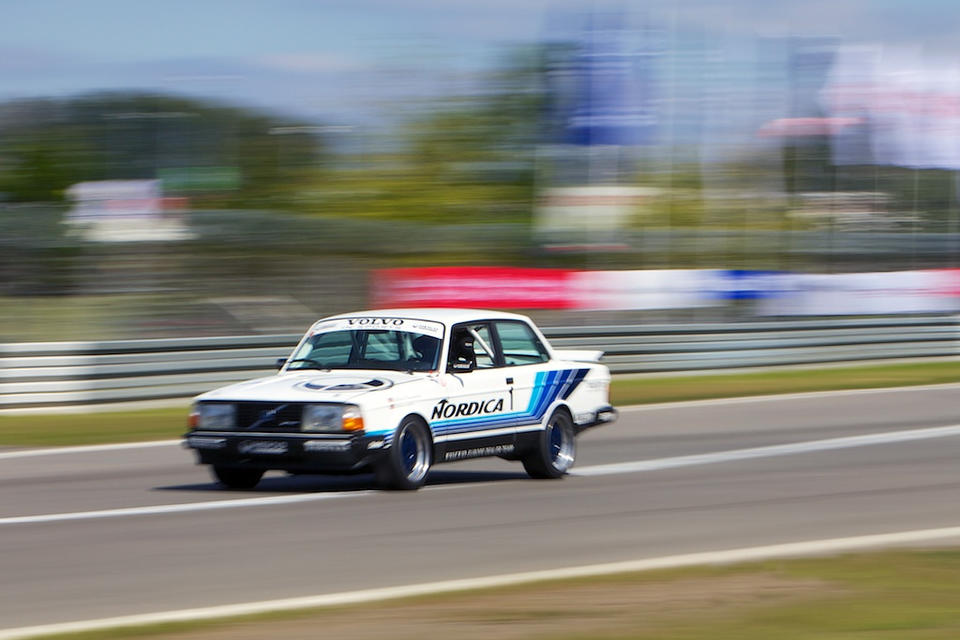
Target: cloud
x,y
308,62
31,60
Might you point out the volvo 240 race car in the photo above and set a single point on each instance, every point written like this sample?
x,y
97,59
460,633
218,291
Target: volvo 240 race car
x,y
396,391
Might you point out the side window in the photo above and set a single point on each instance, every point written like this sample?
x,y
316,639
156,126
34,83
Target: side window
x,y
472,342
485,358
519,344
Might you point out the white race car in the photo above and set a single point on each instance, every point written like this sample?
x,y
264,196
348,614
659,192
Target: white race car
x,y
396,391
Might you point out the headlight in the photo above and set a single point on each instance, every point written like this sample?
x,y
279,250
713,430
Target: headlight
x,y
216,416
331,417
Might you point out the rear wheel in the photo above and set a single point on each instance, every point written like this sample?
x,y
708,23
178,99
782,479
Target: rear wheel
x,y
234,478
556,448
409,458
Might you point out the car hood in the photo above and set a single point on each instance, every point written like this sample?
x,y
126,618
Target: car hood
x,y
313,386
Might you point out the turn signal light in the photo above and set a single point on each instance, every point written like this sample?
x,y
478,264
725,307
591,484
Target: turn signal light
x,y
352,419
353,424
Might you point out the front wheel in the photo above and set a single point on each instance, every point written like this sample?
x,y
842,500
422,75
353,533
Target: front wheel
x,y
556,448
409,458
234,478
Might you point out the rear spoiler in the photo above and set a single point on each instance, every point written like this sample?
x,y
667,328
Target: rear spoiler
x,y
578,355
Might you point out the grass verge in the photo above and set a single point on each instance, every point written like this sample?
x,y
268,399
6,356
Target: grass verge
x,y
644,390
908,595
54,429
158,424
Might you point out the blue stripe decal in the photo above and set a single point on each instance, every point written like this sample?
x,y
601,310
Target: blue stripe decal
x,y
577,379
537,390
549,385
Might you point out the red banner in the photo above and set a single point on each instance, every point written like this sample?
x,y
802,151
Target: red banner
x,y
484,287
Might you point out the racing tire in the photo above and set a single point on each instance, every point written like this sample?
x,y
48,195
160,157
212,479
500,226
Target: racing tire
x,y
556,448
409,458
234,478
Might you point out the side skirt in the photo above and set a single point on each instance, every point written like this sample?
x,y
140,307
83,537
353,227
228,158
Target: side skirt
x,y
478,447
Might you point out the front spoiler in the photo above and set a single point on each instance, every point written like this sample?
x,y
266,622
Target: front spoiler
x,y
296,453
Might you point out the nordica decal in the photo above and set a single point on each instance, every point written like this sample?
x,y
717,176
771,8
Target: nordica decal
x,y
548,387
445,409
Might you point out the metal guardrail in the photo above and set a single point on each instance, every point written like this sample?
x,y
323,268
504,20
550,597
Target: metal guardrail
x,y
47,374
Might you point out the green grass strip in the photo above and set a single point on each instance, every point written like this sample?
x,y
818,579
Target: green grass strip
x,y
649,389
47,430
902,594
158,424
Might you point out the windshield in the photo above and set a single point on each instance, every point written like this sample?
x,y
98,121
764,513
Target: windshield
x,y
398,348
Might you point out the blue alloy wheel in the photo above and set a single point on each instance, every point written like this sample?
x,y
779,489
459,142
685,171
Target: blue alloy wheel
x,y
556,443
556,448
408,447
407,462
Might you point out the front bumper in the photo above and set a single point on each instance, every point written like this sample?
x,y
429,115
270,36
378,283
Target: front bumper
x,y
293,452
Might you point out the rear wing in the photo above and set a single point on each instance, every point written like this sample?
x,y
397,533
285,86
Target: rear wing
x,y
578,355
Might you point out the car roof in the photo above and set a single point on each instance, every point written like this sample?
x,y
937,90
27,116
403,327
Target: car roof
x,y
445,315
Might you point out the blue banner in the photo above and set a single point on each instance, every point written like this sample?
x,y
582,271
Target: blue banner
x,y
744,284
603,85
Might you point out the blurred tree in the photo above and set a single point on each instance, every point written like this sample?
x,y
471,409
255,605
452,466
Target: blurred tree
x,y
47,145
463,159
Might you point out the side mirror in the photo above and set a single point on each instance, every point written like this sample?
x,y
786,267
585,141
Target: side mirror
x,y
280,362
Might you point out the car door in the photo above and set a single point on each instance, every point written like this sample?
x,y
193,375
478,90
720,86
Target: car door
x,y
527,371
474,417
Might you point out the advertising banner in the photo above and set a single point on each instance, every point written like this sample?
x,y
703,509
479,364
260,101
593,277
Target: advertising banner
x,y
114,199
909,107
744,284
765,293
602,86
482,287
124,211
879,293
648,289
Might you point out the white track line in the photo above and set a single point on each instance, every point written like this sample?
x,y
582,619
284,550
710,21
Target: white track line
x,y
728,556
768,451
183,508
594,470
90,448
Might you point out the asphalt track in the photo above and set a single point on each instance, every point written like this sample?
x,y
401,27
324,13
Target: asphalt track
x,y
102,533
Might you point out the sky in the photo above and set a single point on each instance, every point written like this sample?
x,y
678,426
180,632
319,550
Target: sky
x,y
342,61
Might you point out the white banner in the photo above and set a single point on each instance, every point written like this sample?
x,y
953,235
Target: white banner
x,y
878,293
899,108
648,289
